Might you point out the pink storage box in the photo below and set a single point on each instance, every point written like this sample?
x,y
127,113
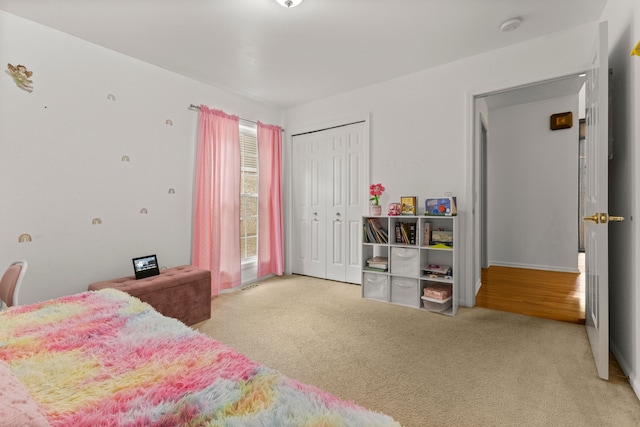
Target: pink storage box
x,y
437,291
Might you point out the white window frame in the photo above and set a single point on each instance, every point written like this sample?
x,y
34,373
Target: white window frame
x,y
249,264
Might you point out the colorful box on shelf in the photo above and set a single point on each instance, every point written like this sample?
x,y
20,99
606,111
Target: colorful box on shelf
x,y
442,236
440,206
437,291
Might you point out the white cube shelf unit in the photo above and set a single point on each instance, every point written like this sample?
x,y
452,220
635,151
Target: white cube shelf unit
x,y
414,261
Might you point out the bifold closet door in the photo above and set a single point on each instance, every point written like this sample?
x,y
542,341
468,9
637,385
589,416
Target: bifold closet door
x,y
328,197
309,158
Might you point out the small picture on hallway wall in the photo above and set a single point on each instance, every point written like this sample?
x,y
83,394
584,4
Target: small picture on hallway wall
x,y
561,120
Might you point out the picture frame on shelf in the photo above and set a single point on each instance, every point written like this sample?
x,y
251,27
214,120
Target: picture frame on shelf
x,y
408,205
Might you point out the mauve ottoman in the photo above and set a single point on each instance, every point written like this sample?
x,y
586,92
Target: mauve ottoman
x,y
183,293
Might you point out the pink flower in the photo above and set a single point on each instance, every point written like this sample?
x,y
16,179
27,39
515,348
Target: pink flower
x,y
375,190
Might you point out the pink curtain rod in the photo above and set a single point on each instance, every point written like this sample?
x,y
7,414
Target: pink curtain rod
x,y
196,107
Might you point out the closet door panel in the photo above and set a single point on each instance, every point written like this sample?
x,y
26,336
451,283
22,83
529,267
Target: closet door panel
x,y
316,212
335,141
356,197
309,210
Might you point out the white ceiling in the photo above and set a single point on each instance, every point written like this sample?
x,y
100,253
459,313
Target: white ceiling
x,y
286,57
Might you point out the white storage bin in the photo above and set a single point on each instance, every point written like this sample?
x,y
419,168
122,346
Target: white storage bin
x,y
404,261
375,286
405,291
436,305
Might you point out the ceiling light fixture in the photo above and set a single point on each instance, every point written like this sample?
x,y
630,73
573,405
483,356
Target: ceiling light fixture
x,y
510,24
289,3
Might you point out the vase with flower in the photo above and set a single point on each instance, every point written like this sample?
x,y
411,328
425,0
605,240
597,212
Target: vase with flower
x,y
375,191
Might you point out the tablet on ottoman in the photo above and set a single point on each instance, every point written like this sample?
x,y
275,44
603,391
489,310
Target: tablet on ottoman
x,y
145,266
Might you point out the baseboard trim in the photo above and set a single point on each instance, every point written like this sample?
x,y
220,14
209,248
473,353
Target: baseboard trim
x,y
536,267
633,379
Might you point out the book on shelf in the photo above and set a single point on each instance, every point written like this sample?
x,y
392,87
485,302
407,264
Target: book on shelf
x,y
374,231
438,276
427,233
438,271
406,232
398,233
368,235
378,263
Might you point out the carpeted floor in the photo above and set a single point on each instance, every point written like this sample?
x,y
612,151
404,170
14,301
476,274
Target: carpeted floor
x,y
481,367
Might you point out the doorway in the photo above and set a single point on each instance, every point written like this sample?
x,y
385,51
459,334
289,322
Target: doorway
x,y
521,269
539,293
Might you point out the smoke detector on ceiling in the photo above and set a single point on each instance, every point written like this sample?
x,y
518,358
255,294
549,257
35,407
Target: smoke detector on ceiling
x,y
510,24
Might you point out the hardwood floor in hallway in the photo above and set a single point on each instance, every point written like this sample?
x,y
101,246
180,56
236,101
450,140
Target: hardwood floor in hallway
x,y
539,293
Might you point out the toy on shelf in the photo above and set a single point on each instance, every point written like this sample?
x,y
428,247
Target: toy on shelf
x,y
395,209
440,206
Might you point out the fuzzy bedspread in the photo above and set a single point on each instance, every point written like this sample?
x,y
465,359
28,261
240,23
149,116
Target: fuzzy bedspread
x,y
106,359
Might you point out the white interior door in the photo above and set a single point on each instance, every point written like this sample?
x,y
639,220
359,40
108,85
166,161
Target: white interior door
x,y
335,141
596,225
345,199
309,195
356,197
328,198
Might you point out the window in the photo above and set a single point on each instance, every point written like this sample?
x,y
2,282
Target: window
x,y
248,193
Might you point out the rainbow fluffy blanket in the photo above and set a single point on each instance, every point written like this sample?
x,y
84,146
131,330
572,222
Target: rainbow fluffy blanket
x,y
107,359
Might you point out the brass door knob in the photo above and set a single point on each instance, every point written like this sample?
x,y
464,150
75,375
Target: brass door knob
x,y
595,218
603,218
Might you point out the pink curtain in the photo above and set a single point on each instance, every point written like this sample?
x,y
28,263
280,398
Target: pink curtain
x,y
216,222
270,232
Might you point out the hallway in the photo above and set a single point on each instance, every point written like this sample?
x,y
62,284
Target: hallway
x,y
547,294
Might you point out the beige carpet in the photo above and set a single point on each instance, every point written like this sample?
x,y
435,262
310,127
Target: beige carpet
x,y
478,368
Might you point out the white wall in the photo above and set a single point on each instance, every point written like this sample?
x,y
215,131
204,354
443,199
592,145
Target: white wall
x,y
422,124
624,181
60,159
533,187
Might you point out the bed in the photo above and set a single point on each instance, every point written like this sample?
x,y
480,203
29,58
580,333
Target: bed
x,y
104,358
